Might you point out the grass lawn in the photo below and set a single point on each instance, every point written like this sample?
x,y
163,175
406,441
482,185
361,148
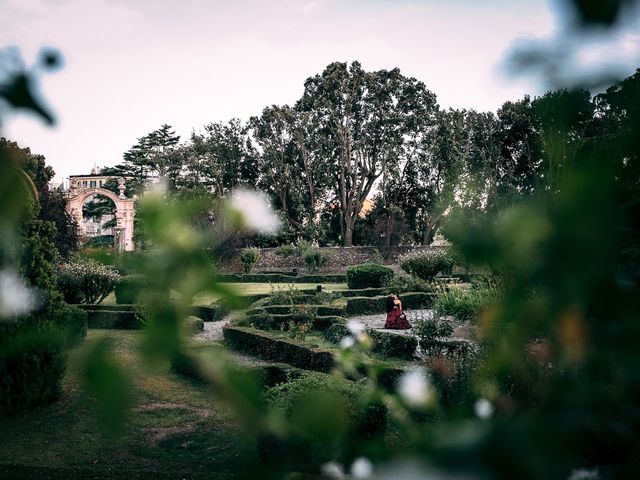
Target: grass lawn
x,y
179,429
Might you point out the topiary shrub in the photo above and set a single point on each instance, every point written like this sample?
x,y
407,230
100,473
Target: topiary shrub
x,y
392,345
315,259
32,363
336,332
85,281
365,305
193,325
368,275
249,257
72,321
406,283
131,288
430,330
426,264
325,420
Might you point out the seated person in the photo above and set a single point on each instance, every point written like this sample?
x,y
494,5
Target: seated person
x,y
396,319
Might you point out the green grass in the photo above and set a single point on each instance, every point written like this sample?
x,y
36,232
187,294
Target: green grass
x,y
250,289
179,429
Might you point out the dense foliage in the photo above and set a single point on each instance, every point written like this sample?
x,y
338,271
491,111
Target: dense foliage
x,y
85,281
426,264
368,275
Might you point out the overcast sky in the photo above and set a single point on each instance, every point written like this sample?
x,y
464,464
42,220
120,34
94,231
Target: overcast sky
x,y
131,66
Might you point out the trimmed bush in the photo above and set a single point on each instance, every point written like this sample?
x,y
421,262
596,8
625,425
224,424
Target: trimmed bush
x,y
402,284
322,310
321,411
130,288
194,325
249,257
211,313
72,321
336,332
114,319
263,345
265,321
392,345
426,264
365,292
32,364
368,275
365,305
85,281
416,300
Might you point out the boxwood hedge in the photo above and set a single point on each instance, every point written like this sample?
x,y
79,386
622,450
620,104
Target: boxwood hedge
x,y
269,347
368,275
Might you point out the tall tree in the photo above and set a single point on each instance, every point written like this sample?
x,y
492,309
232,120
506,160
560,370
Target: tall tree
x,y
363,117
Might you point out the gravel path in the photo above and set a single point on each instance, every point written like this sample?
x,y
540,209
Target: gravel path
x,y
212,331
377,320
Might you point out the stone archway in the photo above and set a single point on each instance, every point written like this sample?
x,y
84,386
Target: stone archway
x,y
81,189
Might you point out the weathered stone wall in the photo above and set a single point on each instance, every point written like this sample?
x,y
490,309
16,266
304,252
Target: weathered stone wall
x,y
339,259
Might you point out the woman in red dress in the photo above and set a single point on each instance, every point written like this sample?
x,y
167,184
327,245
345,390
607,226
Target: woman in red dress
x,y
396,319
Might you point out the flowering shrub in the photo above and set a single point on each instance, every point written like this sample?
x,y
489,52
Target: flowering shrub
x,y
249,257
426,264
85,281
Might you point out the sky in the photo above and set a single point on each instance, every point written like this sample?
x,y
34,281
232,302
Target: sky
x,y
131,66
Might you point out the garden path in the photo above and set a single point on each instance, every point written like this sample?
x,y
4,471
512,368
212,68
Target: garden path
x,y
212,331
376,321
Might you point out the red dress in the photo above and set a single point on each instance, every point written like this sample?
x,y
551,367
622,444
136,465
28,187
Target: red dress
x,y
397,320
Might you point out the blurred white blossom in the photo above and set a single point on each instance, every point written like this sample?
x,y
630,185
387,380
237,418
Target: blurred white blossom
x,y
255,211
361,468
15,297
332,470
356,328
584,474
483,408
414,388
347,342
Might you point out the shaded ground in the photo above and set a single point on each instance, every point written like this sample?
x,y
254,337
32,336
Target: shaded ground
x,y
179,429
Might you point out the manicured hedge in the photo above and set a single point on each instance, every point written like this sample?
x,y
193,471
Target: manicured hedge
x,y
368,275
125,319
110,308
365,292
211,313
416,300
266,346
322,310
392,345
194,324
366,305
281,278
32,364
336,332
73,322
129,288
303,449
276,321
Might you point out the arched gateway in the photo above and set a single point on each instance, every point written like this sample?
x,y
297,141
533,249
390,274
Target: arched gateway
x,y
85,186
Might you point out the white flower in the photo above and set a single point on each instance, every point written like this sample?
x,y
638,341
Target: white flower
x,y
332,470
414,388
347,342
15,297
255,211
584,474
356,328
361,468
483,408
